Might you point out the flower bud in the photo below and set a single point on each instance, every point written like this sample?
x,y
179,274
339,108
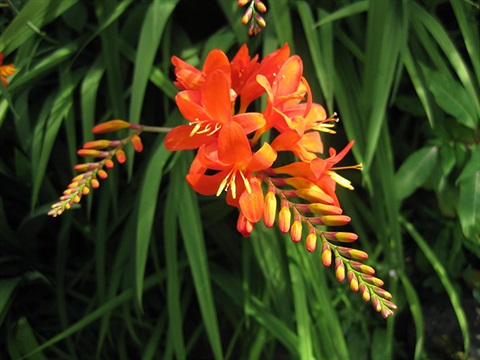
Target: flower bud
x,y
311,242
339,269
284,218
323,209
97,144
365,269
248,15
244,226
269,209
296,230
102,174
326,254
137,143
364,291
109,163
120,155
260,6
352,280
109,126
335,220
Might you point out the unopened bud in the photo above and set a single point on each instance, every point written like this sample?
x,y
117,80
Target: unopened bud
x,y
109,126
296,230
137,143
284,219
311,241
269,209
339,269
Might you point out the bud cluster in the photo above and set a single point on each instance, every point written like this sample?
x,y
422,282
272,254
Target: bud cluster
x,y
102,150
252,17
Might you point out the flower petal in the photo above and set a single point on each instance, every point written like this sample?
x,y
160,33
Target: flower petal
x,y
233,145
216,97
251,204
179,139
263,158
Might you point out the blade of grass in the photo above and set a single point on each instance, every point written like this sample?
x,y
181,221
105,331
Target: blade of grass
x,y
345,11
382,54
416,310
145,212
301,308
38,13
191,230
170,224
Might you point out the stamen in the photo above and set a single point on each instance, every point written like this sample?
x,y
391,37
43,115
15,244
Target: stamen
x,y
224,183
247,183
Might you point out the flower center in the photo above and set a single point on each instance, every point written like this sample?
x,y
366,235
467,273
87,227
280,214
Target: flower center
x,y
229,181
205,127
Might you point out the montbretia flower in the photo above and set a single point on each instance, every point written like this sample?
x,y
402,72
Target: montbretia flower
x,y
236,166
208,110
6,70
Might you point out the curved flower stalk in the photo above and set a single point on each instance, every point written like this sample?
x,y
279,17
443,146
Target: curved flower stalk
x,y
104,151
233,157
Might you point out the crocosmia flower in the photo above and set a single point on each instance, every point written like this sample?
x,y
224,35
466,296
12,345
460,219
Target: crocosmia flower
x,y
244,155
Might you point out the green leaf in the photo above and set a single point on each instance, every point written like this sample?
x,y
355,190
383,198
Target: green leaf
x,y
451,97
192,233
469,198
414,171
33,16
148,199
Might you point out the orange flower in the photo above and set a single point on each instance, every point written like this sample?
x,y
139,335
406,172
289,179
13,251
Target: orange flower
x,y
318,172
208,111
6,70
269,67
235,164
190,78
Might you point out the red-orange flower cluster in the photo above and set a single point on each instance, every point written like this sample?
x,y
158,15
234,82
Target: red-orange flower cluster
x,y
234,154
238,151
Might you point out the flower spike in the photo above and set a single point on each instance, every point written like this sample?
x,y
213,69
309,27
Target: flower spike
x,y
233,160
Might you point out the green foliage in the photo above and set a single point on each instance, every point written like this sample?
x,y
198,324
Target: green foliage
x,y
145,268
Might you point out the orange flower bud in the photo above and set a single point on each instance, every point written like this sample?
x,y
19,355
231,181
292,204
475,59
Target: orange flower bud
x,y
85,190
362,267
352,280
81,167
269,209
77,199
109,163
284,218
260,6
341,236
244,226
296,230
326,254
376,303
339,269
365,292
260,20
94,182
91,153
137,143
319,208
313,194
248,15
97,144
102,174
242,2
372,280
352,253
335,220
120,155
380,292
311,241
109,126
